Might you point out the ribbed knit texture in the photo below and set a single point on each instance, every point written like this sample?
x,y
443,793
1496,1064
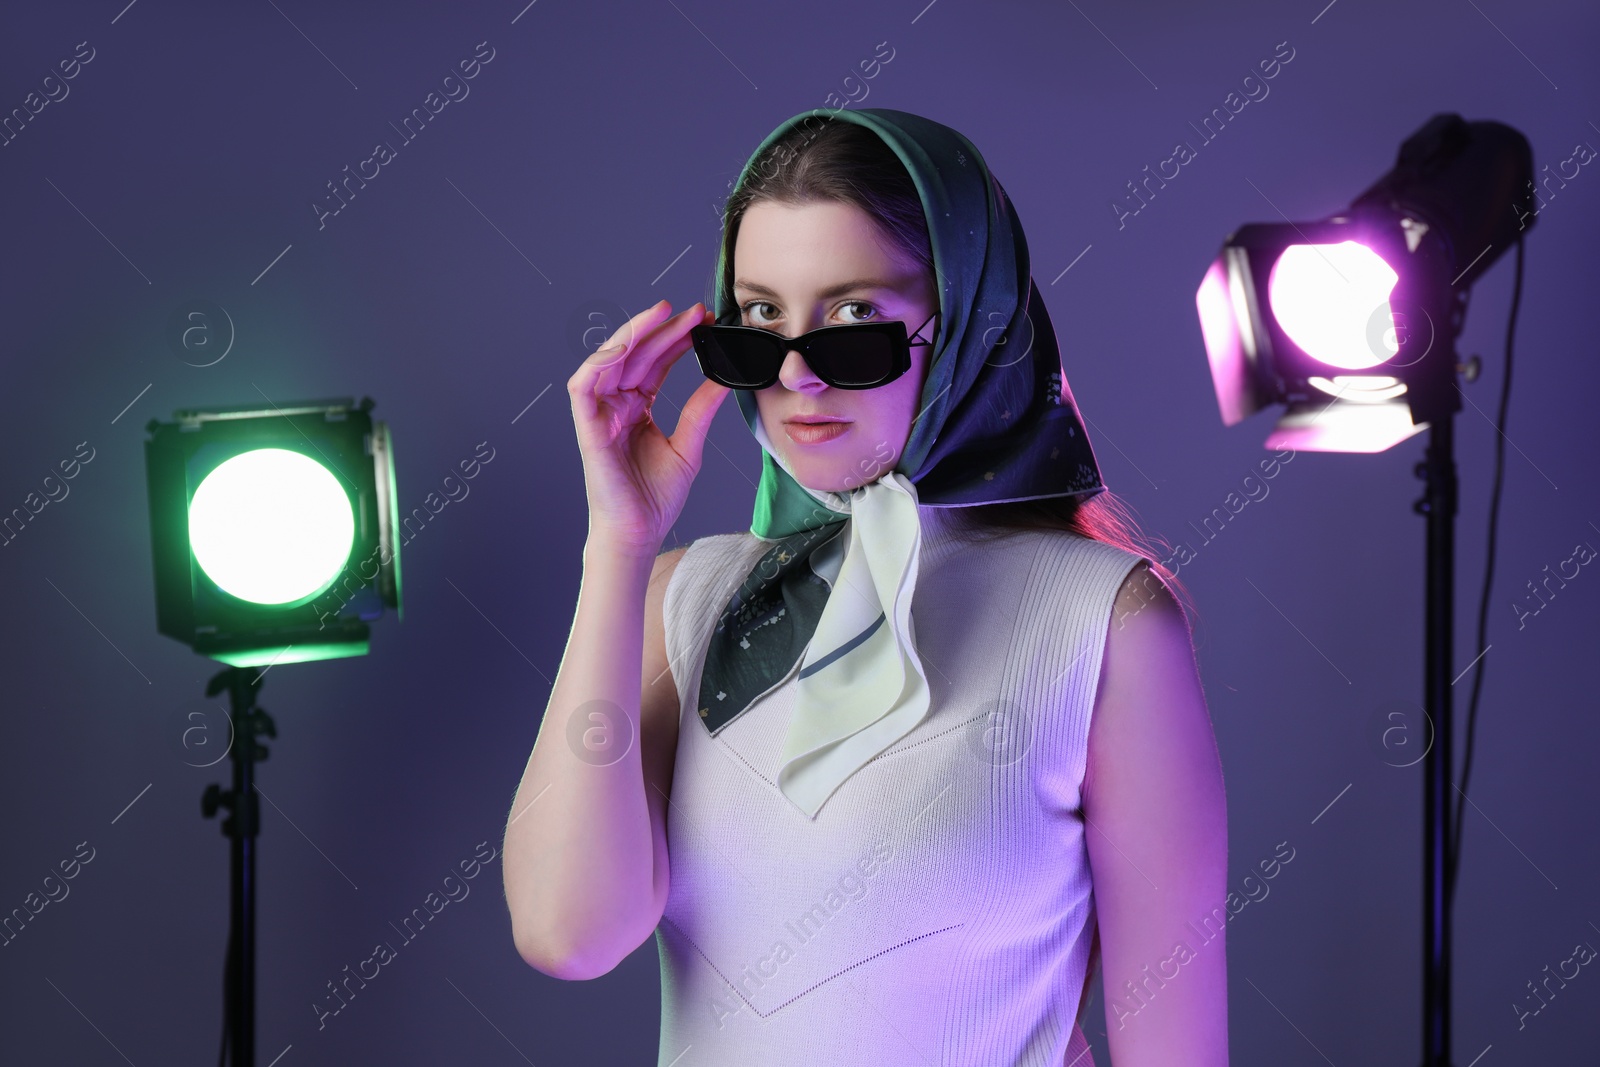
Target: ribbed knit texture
x,y
939,909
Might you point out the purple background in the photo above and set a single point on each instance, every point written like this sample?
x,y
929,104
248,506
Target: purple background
x,y
587,165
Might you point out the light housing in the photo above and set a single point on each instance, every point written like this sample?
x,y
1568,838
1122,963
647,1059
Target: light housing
x,y
273,529
1350,322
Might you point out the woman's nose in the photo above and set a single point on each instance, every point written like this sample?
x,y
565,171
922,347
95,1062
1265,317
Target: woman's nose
x,y
797,376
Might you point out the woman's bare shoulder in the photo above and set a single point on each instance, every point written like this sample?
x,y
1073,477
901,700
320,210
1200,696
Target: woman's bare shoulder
x,y
725,550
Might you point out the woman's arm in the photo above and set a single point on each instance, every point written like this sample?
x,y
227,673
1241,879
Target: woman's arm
x,y
1157,832
585,863
585,859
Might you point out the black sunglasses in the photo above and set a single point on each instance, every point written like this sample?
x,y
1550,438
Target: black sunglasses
x,y
851,356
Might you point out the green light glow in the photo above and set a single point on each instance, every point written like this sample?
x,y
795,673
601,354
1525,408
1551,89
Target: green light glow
x,y
271,526
257,657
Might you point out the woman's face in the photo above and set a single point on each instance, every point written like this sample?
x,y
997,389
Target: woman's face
x,y
798,268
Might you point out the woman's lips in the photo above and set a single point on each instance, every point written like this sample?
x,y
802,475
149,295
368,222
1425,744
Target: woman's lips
x,y
811,433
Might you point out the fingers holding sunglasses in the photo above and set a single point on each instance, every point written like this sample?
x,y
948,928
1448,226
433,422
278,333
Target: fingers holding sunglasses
x,y
603,367
694,422
636,479
597,410
654,356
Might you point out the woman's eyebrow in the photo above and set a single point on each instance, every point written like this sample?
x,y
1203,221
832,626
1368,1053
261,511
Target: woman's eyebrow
x,y
832,290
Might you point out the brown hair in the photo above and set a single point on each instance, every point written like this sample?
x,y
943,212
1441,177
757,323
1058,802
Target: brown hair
x,y
822,159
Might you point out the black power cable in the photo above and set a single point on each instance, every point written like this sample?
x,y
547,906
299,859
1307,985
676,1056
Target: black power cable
x,y
1488,576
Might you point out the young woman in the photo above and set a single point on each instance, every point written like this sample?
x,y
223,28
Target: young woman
x,y
925,745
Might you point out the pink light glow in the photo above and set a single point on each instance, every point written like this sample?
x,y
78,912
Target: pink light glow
x,y
1333,301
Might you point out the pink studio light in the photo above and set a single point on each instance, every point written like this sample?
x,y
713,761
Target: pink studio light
x,y
1331,300
1313,316
1328,299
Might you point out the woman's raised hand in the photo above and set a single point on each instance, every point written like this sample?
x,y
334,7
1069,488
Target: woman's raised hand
x,y
637,478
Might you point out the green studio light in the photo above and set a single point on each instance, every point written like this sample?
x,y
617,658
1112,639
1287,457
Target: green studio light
x,y
273,529
271,526
273,534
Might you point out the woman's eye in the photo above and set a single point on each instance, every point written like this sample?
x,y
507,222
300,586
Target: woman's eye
x,y
859,304
749,316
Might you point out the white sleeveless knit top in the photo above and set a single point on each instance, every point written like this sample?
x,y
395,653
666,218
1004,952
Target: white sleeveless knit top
x,y
939,908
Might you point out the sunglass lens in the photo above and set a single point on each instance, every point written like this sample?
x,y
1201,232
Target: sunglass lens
x,y
739,362
853,358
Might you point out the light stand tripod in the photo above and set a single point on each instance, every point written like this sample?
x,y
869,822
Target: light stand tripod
x,y
1438,503
241,828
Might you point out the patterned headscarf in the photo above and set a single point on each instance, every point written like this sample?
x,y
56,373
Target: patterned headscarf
x,y
997,422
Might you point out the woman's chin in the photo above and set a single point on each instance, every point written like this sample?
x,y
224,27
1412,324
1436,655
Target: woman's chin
x,y
825,485
839,479
836,473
